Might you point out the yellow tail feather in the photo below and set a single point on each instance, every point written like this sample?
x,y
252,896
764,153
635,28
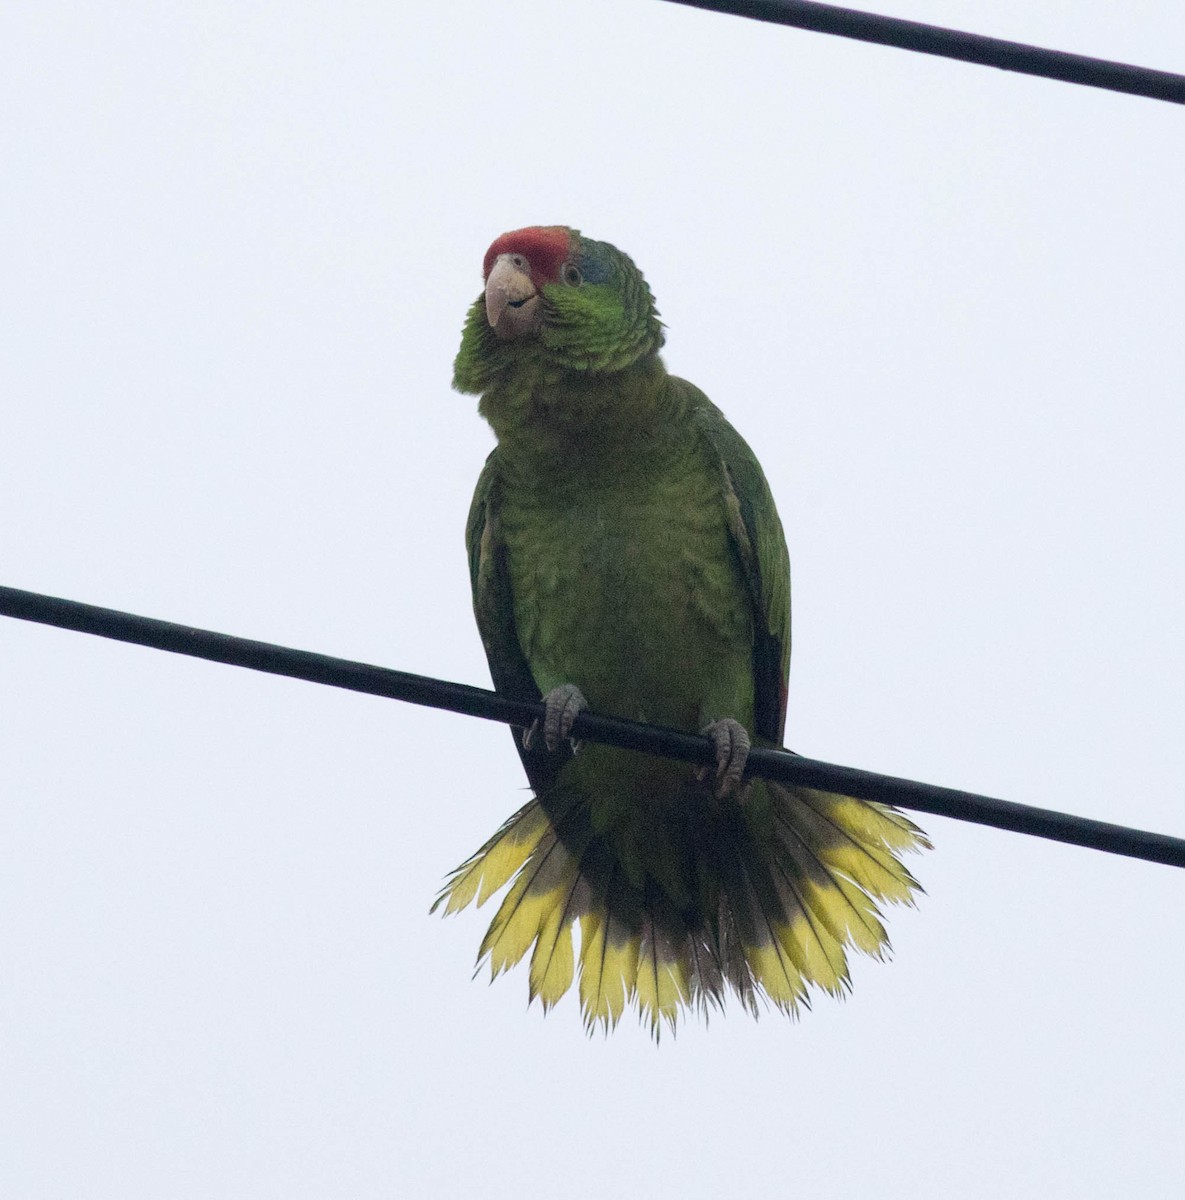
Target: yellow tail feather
x,y
784,884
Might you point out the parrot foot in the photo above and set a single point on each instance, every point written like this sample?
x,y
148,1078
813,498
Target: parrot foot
x,y
562,705
731,740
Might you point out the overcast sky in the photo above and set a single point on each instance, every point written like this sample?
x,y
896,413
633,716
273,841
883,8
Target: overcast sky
x,y
945,306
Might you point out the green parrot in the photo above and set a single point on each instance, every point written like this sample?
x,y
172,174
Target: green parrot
x,y
625,554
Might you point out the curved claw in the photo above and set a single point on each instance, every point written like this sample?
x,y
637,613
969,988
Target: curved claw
x,y
732,743
562,705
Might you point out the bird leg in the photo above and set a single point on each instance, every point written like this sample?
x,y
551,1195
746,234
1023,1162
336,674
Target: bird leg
x,y
731,740
562,705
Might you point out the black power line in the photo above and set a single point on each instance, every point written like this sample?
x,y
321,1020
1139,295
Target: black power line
x,y
477,702
953,43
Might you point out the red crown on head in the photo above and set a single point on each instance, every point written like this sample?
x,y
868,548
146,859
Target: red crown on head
x,y
545,247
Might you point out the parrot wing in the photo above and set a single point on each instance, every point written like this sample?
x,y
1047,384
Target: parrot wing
x,y
760,548
493,606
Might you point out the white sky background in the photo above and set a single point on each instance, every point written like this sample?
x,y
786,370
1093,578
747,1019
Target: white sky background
x,y
945,306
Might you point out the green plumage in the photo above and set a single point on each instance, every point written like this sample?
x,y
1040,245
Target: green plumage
x,y
623,539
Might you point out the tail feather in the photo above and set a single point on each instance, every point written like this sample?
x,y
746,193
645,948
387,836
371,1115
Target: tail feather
x,y
750,912
515,925
769,895
538,894
826,898
867,822
707,981
865,929
489,869
553,963
813,948
770,963
664,980
832,847
735,932
609,956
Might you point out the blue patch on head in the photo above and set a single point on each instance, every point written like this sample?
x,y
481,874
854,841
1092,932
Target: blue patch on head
x,y
595,262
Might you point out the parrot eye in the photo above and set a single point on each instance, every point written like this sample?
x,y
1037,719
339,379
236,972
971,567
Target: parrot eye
x,y
518,261
572,276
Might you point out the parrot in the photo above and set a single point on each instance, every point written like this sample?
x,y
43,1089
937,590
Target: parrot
x,y
626,555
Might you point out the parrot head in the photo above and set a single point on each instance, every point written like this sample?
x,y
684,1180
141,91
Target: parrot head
x,y
556,301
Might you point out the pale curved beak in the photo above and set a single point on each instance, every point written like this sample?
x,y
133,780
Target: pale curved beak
x,y
512,303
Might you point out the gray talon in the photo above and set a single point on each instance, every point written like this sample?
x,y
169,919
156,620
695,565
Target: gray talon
x,y
562,705
731,740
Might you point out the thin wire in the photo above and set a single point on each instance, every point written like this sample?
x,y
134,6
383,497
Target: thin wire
x,y
953,43
782,765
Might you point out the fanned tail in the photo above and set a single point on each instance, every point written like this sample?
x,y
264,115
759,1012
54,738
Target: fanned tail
x,y
772,892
